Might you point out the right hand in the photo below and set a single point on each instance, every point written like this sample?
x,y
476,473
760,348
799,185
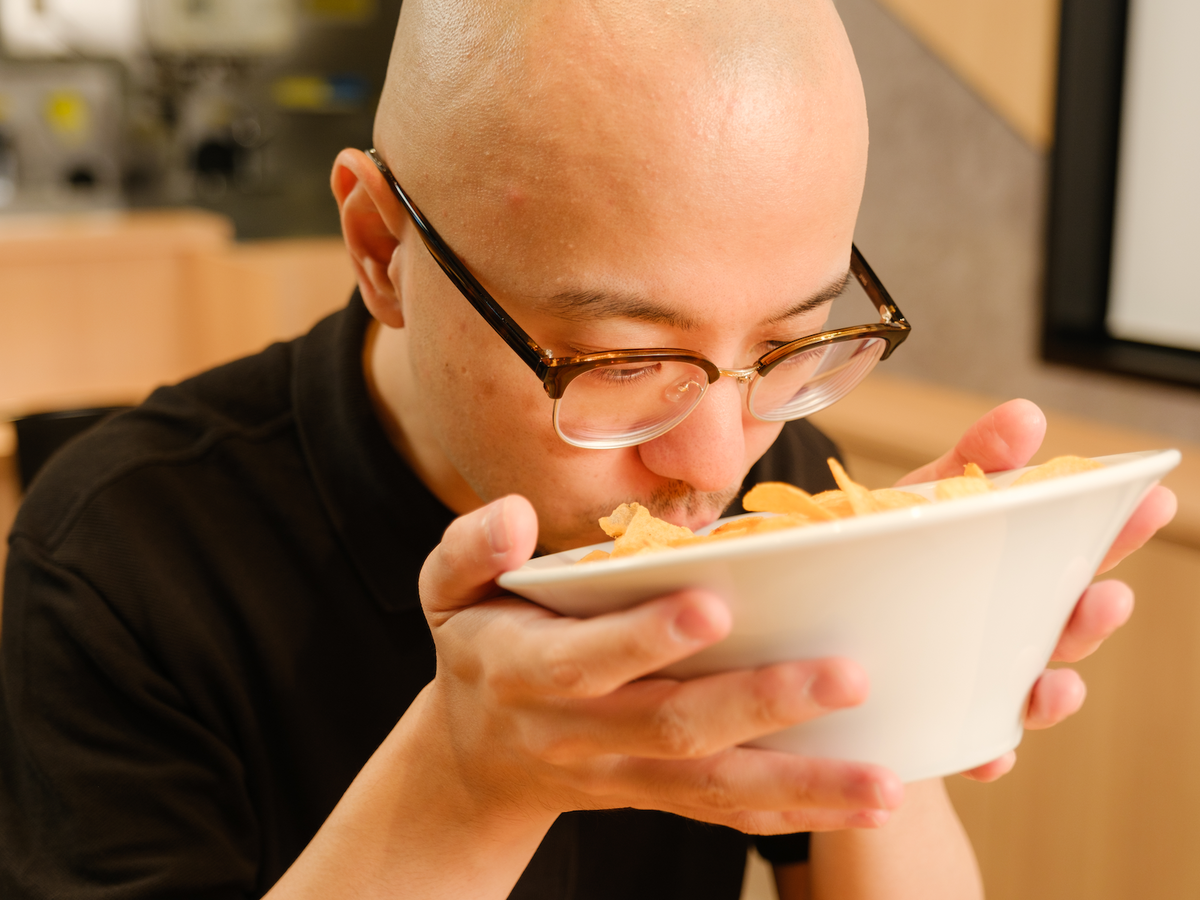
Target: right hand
x,y
543,713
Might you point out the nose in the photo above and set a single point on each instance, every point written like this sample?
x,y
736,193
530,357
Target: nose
x,y
707,450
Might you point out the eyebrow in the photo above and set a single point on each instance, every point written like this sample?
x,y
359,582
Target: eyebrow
x,y
579,306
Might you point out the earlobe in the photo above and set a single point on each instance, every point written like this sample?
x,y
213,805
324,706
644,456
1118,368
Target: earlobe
x,y
372,229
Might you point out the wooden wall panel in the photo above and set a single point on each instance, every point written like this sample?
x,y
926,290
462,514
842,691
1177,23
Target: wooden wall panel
x,y
1103,806
97,306
1006,50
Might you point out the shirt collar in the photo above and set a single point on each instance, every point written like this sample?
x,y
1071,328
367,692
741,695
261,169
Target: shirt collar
x,y
387,519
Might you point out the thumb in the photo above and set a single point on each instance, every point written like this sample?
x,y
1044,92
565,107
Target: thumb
x,y
476,549
1003,439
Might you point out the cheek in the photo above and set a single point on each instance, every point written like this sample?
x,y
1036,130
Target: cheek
x,y
759,437
488,411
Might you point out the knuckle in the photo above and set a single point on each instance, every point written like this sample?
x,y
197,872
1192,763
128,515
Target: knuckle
x,y
715,792
501,683
676,736
554,749
563,674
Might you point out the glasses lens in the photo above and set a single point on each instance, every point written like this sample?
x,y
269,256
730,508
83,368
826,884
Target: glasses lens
x,y
812,379
626,404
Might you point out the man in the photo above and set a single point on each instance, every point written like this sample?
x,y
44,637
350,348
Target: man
x,y
215,669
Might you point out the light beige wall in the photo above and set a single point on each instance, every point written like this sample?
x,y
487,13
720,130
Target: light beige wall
x,y
1006,50
104,307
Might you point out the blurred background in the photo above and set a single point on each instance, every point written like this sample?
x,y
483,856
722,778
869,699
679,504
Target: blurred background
x,y
1032,202
235,106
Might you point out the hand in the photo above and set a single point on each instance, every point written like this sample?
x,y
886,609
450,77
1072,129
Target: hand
x,y
1006,438
543,713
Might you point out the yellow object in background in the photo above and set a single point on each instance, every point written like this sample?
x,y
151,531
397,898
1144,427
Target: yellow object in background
x,y
310,92
68,115
320,93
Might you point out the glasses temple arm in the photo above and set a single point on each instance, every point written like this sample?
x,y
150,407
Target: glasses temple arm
x,y
874,287
515,336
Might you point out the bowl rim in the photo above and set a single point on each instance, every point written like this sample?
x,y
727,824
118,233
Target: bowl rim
x,y
560,568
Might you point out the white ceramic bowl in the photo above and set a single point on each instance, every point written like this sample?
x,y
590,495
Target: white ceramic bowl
x,y
953,608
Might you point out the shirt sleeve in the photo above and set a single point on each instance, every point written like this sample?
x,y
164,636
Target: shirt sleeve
x,y
109,787
783,849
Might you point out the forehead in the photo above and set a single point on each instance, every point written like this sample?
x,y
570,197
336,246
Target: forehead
x,y
658,166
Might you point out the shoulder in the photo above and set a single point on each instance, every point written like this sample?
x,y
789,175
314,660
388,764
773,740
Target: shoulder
x,y
177,428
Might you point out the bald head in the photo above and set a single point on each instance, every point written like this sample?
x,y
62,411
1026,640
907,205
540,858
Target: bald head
x,y
650,108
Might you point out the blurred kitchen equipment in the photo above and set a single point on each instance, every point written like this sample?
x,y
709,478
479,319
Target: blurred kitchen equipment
x,y
238,106
60,135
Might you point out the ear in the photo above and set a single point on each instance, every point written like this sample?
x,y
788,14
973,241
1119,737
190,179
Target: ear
x,y
373,225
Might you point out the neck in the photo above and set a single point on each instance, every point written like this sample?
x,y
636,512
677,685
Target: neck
x,y
405,420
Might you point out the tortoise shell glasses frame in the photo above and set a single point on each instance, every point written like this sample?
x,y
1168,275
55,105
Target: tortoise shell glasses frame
x,y
556,373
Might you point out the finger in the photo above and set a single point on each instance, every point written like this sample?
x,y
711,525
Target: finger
x,y
993,770
1005,438
1104,607
476,548
665,719
1057,694
575,658
788,821
1156,510
744,778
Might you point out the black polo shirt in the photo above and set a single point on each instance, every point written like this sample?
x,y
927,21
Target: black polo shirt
x,y
211,621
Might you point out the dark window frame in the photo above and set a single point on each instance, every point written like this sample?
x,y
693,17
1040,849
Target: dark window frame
x,y
1082,201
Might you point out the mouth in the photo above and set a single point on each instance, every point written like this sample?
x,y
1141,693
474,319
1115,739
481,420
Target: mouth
x,y
680,504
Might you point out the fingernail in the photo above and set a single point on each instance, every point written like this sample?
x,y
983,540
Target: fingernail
x,y
869,818
691,625
495,526
828,691
881,803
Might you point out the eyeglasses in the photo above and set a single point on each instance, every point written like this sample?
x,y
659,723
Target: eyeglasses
x,y
620,398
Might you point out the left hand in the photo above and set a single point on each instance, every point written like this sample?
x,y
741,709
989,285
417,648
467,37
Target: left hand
x,y
1006,438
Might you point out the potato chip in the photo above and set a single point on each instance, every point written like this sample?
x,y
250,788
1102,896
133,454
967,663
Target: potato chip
x,y
1058,467
778,497
835,502
890,498
636,531
961,486
780,522
614,526
736,526
860,498
594,556
644,532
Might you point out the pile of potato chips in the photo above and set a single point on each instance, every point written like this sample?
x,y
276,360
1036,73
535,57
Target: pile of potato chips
x,y
636,531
